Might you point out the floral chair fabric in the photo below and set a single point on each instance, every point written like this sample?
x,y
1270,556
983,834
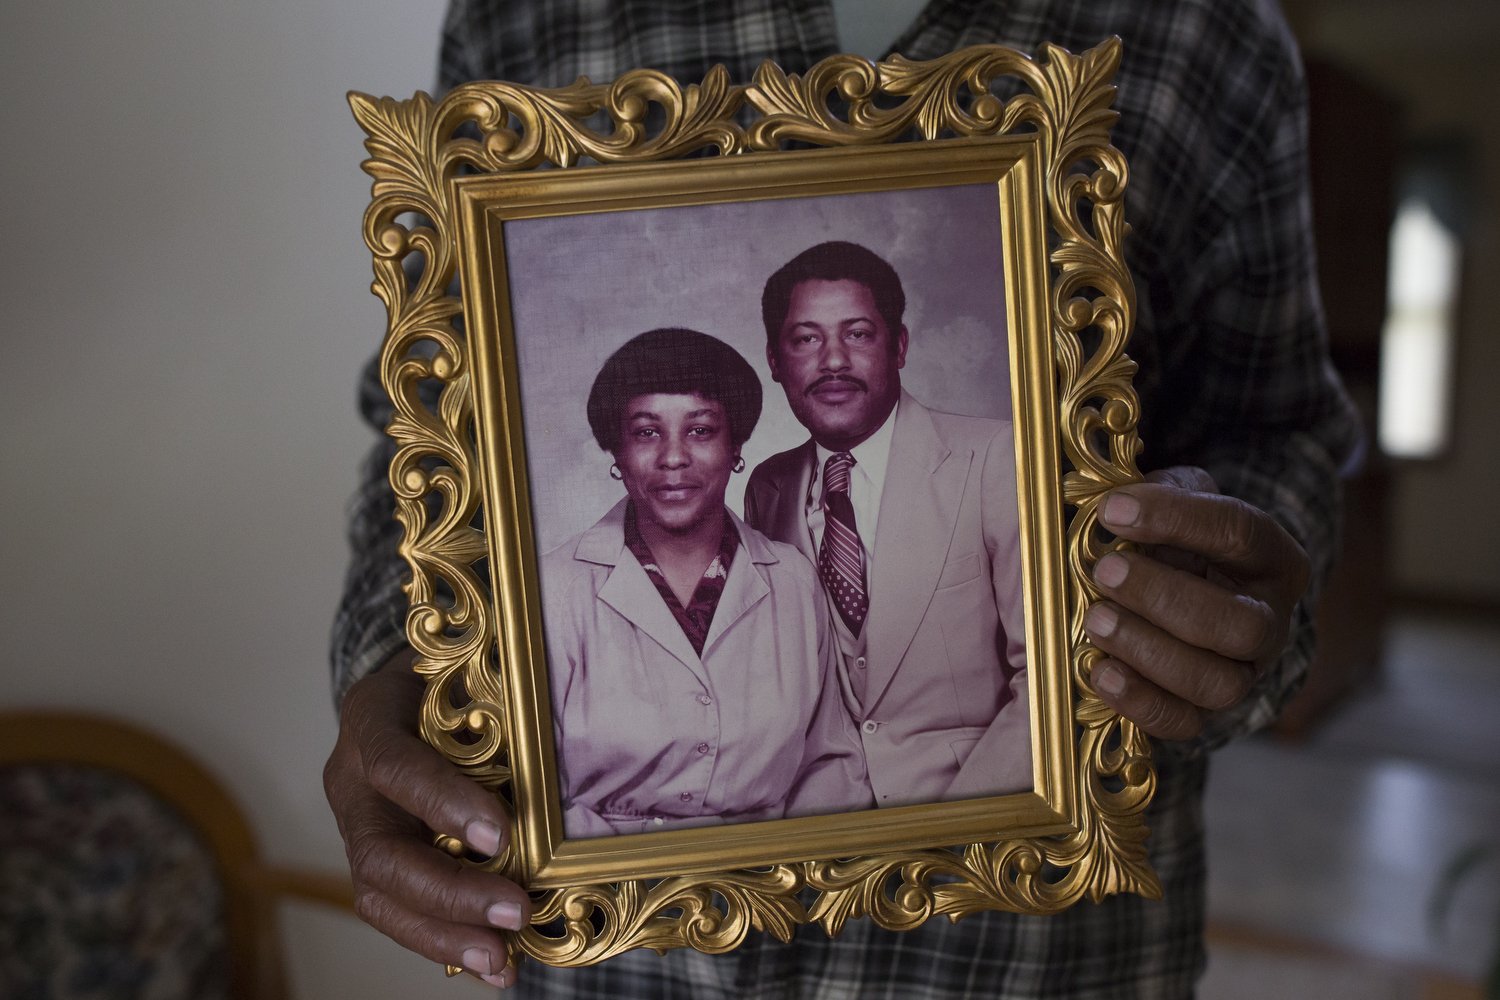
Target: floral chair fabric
x,y
105,892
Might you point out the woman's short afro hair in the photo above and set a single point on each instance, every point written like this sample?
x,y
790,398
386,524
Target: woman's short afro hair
x,y
676,361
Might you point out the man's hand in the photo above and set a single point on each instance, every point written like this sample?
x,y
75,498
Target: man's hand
x,y
384,784
1191,619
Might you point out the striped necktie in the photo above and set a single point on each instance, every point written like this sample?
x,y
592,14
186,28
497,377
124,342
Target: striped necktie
x,y
841,558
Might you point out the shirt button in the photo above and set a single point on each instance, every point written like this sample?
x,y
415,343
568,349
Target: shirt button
x,y
870,726
860,663
686,796
657,821
704,699
703,748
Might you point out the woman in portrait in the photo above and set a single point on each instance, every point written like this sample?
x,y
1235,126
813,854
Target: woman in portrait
x,y
691,661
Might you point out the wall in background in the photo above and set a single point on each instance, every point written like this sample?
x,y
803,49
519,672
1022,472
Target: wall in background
x,y
186,308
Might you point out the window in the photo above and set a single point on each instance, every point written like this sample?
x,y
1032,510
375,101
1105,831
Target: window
x,y
1417,343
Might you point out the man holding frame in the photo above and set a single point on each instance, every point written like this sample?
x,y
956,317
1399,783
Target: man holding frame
x,y
1237,396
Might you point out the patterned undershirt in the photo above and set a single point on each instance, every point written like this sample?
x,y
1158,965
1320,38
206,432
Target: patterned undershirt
x,y
699,614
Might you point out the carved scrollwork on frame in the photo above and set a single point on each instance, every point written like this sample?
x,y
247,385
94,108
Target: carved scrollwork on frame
x,y
419,146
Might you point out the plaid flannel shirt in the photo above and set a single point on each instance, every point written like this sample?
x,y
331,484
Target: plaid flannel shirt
x,y
1234,377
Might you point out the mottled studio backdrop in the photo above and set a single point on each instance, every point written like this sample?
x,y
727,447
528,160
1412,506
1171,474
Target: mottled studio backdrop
x,y
583,285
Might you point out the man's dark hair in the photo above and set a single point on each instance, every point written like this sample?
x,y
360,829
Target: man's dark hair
x,y
674,361
836,260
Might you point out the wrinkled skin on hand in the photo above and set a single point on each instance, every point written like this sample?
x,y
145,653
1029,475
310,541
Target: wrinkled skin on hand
x,y
1191,619
389,790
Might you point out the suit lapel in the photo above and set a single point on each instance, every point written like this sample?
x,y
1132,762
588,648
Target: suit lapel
x,y
924,484
786,504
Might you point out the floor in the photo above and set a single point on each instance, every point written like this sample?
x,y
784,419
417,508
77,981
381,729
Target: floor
x,y
1326,855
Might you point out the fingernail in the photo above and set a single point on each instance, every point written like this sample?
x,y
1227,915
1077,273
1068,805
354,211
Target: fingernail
x,y
478,960
505,978
507,915
1121,510
1111,570
1110,681
1101,620
483,836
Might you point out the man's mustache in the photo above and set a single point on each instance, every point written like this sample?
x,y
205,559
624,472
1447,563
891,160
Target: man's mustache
x,y
846,379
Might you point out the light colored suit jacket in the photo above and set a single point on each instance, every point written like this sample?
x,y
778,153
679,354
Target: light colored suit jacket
x,y
652,736
945,712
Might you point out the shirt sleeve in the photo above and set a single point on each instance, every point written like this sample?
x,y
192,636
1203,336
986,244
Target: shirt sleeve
x,y
565,653
1001,761
466,27
1251,395
369,626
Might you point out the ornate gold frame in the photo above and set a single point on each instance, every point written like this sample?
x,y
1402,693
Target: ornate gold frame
x,y
459,463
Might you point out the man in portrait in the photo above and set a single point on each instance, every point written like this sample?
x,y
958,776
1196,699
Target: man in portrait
x,y
909,515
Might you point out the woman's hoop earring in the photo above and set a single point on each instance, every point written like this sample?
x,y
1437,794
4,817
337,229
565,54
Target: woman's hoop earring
x,y
615,473
739,463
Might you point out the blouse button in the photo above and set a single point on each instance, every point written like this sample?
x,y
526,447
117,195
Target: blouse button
x,y
870,726
686,796
860,663
703,748
657,821
704,699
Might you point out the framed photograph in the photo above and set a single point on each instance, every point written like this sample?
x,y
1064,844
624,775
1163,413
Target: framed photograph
x,y
750,498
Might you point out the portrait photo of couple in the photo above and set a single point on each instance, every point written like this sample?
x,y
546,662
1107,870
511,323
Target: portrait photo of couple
x,y
772,467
